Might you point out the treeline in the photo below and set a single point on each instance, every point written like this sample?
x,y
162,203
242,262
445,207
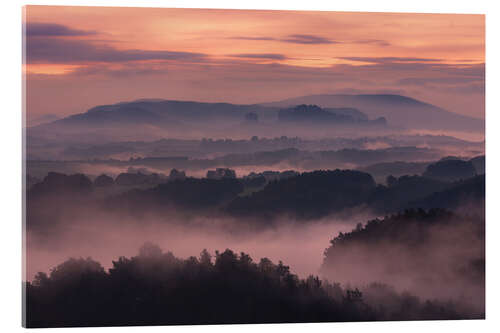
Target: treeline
x,y
434,252
306,196
304,159
103,153
309,195
156,288
320,193
192,194
412,227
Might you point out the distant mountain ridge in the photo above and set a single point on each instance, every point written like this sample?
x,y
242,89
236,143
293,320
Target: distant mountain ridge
x,y
316,115
399,110
155,111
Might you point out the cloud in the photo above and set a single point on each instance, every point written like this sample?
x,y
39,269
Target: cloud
x,y
128,69
390,60
308,39
295,39
272,56
457,83
245,82
56,50
46,43
35,29
252,38
378,42
421,81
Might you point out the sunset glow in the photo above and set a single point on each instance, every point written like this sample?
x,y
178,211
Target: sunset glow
x,y
201,52
202,166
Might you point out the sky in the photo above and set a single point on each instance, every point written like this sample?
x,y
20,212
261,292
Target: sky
x,y
80,57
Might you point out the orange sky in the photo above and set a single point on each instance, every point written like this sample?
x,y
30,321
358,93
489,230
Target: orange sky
x,y
82,56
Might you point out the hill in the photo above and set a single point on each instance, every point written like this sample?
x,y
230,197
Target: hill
x,y
434,253
309,195
154,119
313,114
398,110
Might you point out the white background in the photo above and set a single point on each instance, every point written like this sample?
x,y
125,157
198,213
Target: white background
x,y
11,157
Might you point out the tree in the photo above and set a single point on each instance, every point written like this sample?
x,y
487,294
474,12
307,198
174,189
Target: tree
x,y
150,250
391,180
205,258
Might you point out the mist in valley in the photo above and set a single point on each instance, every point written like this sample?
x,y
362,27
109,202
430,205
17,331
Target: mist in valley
x,y
99,237
268,189
269,173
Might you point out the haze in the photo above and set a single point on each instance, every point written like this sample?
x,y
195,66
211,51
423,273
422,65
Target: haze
x,y
79,57
347,148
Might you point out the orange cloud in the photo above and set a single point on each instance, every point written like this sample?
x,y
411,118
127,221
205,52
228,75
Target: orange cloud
x,y
251,55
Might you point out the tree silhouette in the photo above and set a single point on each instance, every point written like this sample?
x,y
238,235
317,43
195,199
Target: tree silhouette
x,y
156,288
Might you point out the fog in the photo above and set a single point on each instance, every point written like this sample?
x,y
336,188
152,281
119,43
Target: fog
x,y
297,245
69,217
441,261
440,267
464,135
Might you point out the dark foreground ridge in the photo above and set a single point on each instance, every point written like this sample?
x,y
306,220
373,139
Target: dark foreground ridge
x,y
156,288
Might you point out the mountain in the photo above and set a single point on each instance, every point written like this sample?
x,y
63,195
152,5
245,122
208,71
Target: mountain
x,y
398,110
155,119
150,119
313,114
160,111
168,113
